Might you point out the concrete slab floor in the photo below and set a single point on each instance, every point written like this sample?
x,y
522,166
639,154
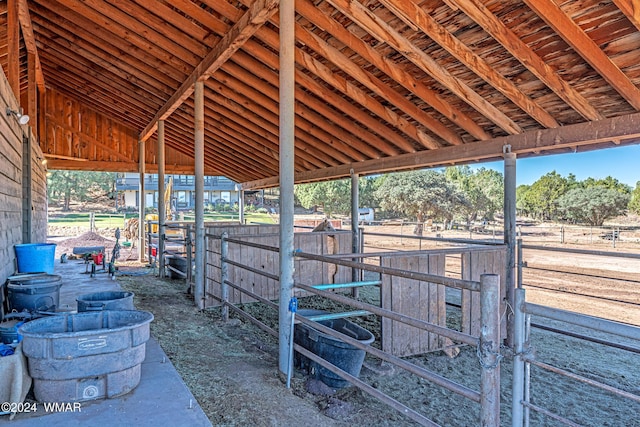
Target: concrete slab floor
x,y
161,398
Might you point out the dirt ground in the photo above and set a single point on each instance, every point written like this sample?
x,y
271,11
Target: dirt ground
x,y
231,368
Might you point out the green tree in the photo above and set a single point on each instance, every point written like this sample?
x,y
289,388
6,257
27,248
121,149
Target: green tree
x,y
65,186
335,196
542,196
483,190
592,205
608,182
332,196
634,204
420,195
367,187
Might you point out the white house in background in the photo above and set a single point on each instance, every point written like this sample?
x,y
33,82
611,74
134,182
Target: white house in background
x,y
217,190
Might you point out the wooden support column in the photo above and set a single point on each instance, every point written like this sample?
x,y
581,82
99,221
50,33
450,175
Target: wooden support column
x,y
241,206
199,172
510,233
13,47
32,92
355,197
287,125
162,212
141,202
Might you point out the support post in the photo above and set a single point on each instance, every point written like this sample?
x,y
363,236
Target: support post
x,y
199,181
162,212
355,197
510,233
287,164
224,275
518,360
141,201
489,351
189,249
241,206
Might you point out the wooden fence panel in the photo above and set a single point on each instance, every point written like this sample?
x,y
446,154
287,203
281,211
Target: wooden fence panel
x,y
306,271
422,300
475,264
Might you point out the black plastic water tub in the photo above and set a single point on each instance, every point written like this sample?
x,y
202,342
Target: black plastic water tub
x,y
339,353
34,292
110,300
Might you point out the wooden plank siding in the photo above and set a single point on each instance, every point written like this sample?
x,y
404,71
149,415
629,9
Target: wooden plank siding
x,y
474,264
15,206
79,138
414,298
308,272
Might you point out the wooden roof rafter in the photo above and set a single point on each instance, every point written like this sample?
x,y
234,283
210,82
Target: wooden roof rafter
x,y
255,17
551,13
375,80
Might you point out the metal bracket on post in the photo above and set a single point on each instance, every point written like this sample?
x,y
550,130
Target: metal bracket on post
x,y
506,149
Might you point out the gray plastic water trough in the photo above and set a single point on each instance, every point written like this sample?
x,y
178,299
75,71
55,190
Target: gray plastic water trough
x,y
85,356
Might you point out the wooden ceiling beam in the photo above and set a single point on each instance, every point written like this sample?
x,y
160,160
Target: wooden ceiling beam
x,y
91,34
306,134
414,15
137,72
122,89
111,79
270,37
367,101
222,155
255,117
625,128
113,30
265,61
383,32
258,134
475,10
312,104
336,137
259,13
400,75
13,48
631,9
30,41
580,41
372,83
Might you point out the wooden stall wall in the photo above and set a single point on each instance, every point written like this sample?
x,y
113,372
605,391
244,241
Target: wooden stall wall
x,y
427,301
474,264
306,271
422,300
78,138
34,193
74,134
14,188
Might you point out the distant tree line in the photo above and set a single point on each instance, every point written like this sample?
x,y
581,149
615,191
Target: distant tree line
x,y
64,186
461,193
591,202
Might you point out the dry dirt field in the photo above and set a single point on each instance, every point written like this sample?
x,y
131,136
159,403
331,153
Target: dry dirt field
x,y
232,368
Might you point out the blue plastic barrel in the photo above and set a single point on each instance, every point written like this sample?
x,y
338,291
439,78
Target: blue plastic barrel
x,y
36,257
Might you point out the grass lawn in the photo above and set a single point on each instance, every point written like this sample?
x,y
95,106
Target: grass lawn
x,y
74,219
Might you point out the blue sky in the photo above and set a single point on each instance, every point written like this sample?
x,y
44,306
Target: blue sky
x,y
622,163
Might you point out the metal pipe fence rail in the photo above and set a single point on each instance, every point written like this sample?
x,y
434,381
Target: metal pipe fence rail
x,y
492,242
625,299
524,358
487,343
184,240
